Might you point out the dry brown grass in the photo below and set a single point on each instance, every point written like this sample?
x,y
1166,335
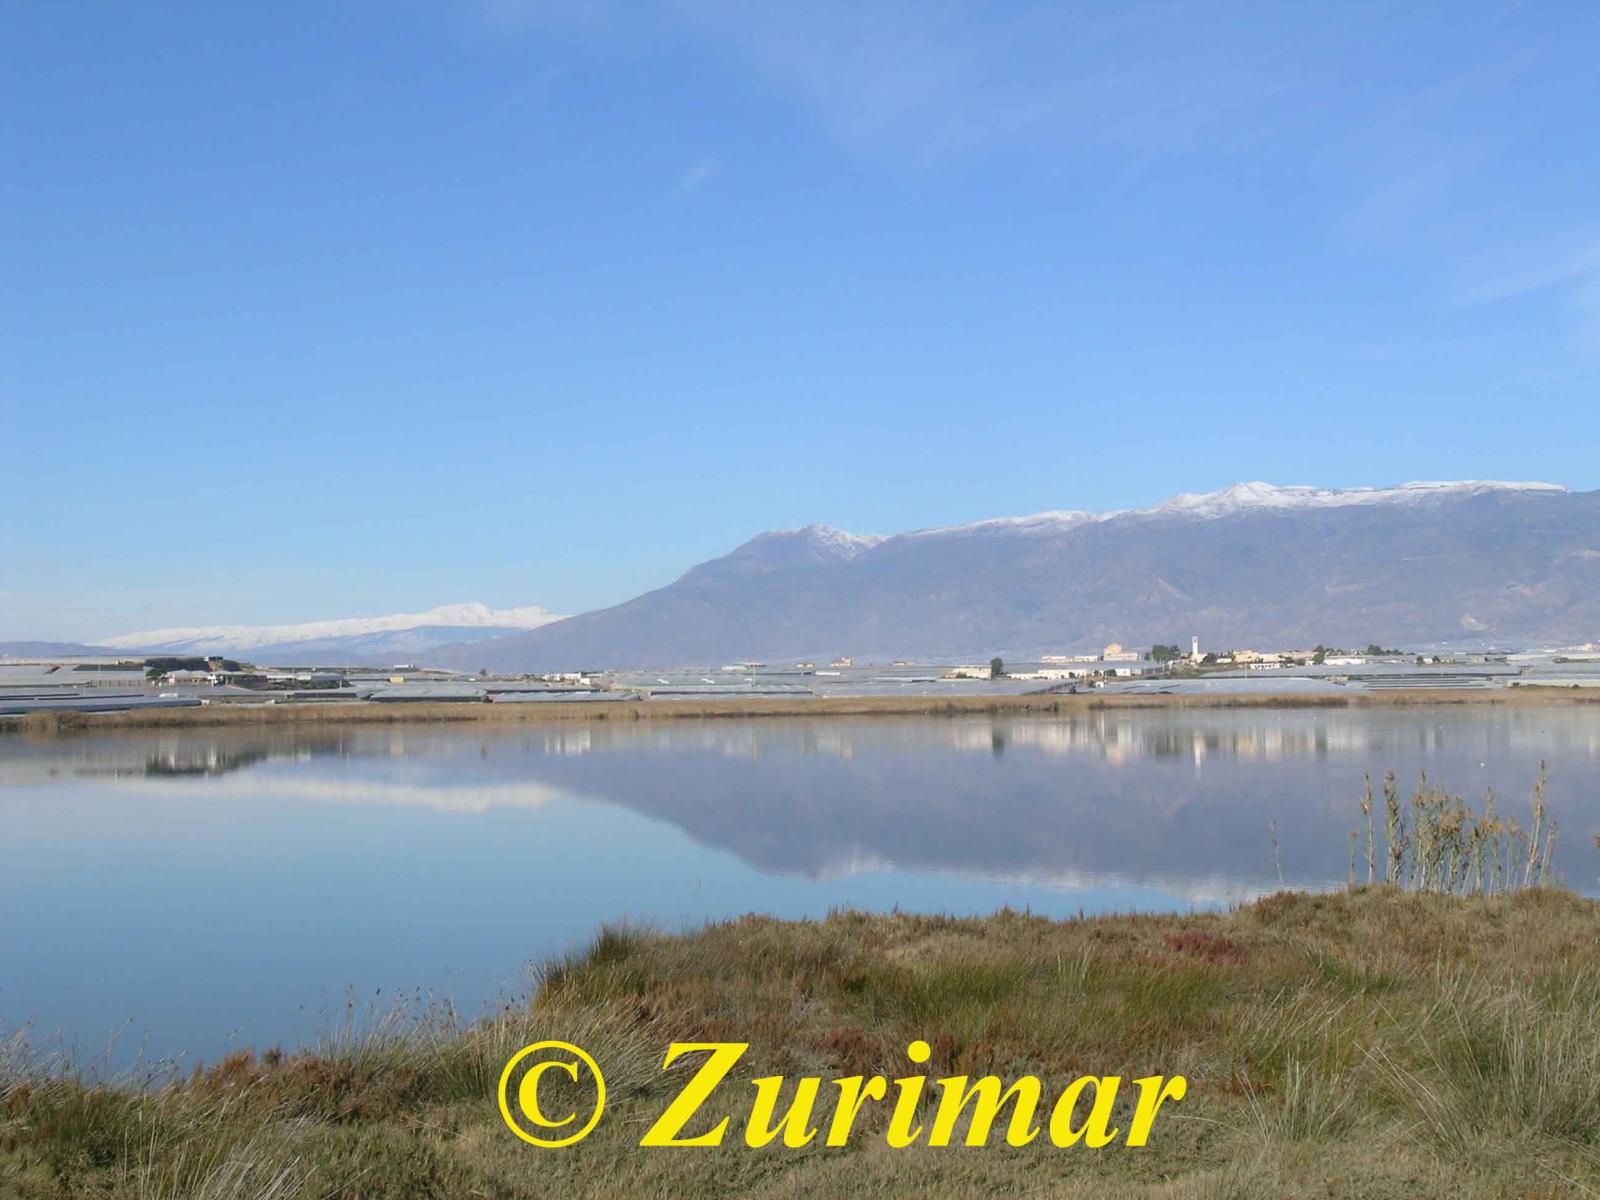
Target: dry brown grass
x,y
355,713
1375,1043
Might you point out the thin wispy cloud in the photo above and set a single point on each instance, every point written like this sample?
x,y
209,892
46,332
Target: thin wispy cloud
x,y
1572,261
1396,204
696,175
1566,269
1406,124
927,81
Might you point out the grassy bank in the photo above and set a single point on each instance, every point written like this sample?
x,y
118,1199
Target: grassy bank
x,y
1375,1043
276,715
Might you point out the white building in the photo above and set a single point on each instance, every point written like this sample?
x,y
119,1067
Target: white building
x,y
978,672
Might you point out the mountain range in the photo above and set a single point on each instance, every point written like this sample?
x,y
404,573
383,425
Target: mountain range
x,y
1420,564
1258,565
361,641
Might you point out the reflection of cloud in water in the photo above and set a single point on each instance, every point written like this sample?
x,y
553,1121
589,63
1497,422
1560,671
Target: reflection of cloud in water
x,y
450,798
1197,891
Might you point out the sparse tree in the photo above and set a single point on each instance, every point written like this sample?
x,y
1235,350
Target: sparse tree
x,y
997,668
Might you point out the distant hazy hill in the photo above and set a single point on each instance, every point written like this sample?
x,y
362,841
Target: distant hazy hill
x,y
48,649
360,640
1252,565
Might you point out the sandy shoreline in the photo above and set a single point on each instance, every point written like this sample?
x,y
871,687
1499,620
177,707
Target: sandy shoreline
x,y
235,716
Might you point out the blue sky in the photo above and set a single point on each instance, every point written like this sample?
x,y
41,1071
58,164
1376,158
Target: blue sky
x,y
325,309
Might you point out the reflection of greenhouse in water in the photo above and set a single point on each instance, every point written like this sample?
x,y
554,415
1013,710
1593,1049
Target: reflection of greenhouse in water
x,y
208,760
150,755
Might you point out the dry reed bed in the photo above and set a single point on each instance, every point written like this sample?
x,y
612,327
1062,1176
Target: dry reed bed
x,y
356,713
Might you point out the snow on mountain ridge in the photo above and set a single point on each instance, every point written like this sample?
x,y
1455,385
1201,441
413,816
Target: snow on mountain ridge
x,y
1240,497
1043,522
241,638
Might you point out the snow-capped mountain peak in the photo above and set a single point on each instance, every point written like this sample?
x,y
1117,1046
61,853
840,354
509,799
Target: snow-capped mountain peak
x,y
240,639
839,541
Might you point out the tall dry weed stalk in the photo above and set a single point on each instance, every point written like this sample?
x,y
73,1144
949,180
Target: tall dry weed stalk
x,y
1439,843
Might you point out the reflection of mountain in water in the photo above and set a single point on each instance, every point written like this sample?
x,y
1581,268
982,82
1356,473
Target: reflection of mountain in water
x,y
1142,798
1179,799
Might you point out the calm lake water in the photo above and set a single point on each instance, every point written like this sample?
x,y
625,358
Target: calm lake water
x,y
190,893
